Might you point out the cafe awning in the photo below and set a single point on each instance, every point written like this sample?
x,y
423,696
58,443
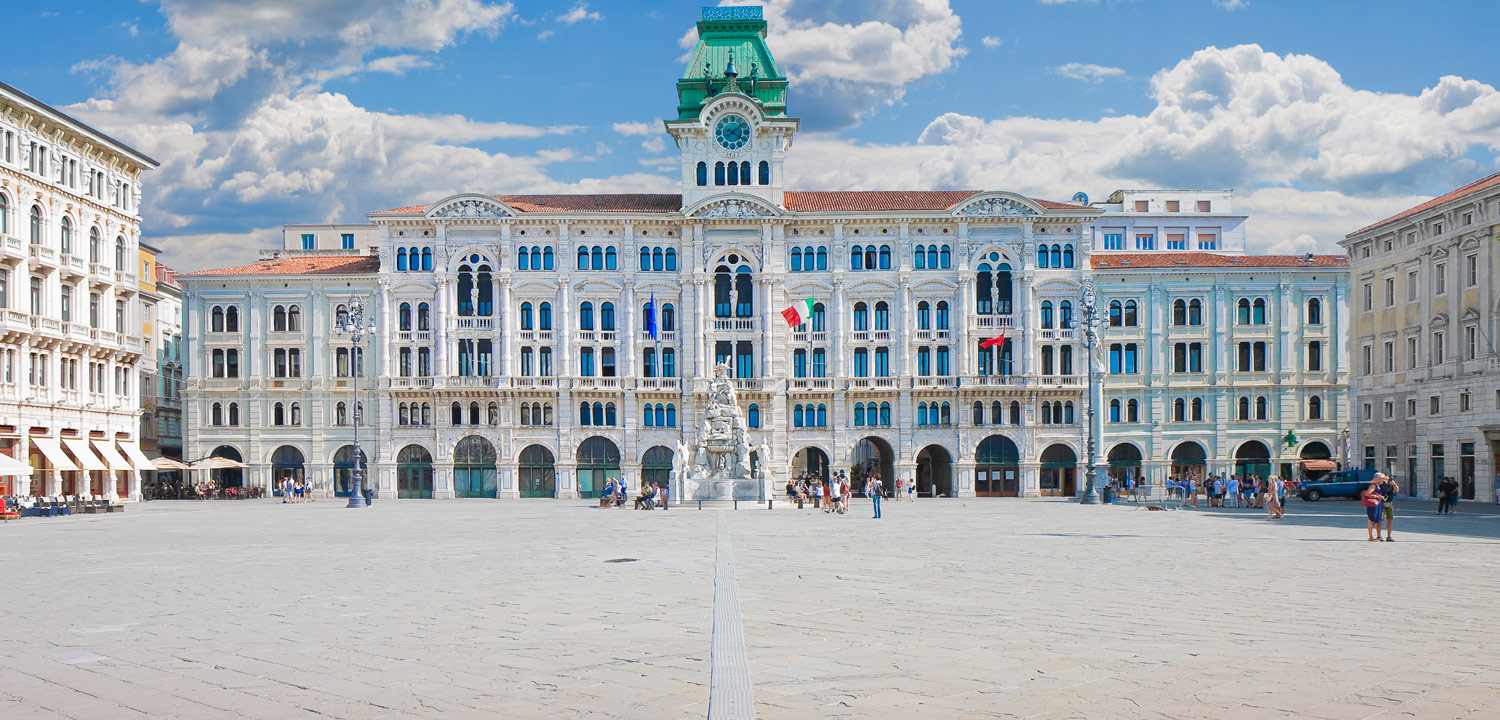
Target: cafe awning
x,y
138,459
54,453
107,449
86,458
12,466
1319,465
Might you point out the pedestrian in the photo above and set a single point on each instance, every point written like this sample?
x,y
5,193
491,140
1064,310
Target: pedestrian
x,y
1233,490
833,496
1388,492
1189,494
911,491
1370,499
666,495
286,490
821,503
873,490
1447,496
1271,502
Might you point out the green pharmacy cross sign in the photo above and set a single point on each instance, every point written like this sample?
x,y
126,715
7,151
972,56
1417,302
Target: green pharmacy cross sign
x,y
1291,439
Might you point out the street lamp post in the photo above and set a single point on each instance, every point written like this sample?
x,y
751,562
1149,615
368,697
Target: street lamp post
x,y
353,323
1096,393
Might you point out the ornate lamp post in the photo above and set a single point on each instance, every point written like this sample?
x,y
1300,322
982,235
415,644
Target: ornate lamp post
x,y
1090,310
353,323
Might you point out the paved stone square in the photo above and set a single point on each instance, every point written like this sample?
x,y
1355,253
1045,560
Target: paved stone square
x,y
943,609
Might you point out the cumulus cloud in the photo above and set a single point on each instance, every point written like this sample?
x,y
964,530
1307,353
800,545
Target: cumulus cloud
x,y
1231,5
990,41
1088,72
636,128
579,13
847,57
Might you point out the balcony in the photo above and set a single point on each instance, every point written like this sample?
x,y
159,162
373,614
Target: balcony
x,y
996,322
471,323
73,265
1063,381
50,326
472,381
1057,334
531,336
79,332
989,381
16,321
44,255
933,382
100,274
11,248
818,336
597,383
753,384
810,384
124,279
534,383
734,324
105,336
411,383
406,336
135,344
861,336
667,383
879,383
665,336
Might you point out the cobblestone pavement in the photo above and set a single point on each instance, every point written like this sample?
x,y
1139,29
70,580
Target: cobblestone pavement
x,y
942,609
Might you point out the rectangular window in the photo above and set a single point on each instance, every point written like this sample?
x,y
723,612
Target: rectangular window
x,y
1435,405
1366,411
1367,365
1411,353
1114,241
1143,206
1369,296
1411,286
1145,241
1471,270
820,363
1174,206
1437,348
1468,218
1411,408
1471,342
1390,292
346,241
1439,282
1390,356
309,241
1176,241
1438,470
1463,402
1208,241
1204,206
1315,356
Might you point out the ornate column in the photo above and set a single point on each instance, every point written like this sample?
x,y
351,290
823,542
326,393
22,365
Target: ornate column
x,y
903,329
563,329
767,327
704,365
627,330
382,332
959,323
440,327
1028,311
507,327
839,323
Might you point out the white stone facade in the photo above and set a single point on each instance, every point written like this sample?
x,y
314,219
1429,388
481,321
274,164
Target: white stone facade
x,y
70,312
1426,389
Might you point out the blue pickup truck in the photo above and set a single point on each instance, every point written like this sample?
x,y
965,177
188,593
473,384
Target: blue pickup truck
x,y
1340,483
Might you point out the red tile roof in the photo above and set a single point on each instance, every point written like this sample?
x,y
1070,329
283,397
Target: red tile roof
x,y
796,201
302,265
1159,260
1473,187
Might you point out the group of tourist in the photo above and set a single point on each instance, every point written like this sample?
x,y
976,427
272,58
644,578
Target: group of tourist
x,y
831,495
652,495
1233,491
296,491
1379,500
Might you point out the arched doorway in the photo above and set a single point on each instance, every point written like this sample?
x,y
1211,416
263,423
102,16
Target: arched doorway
x,y
1253,458
997,468
598,463
934,472
228,477
1189,461
656,466
872,455
538,472
812,461
1125,464
414,472
286,464
1317,460
1059,471
343,470
474,468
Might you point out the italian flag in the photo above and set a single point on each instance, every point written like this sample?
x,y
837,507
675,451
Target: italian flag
x,y
992,342
794,318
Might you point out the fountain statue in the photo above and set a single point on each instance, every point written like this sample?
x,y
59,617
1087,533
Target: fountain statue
x,y
719,468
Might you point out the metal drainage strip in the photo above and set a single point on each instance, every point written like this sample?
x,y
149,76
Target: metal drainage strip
x,y
729,692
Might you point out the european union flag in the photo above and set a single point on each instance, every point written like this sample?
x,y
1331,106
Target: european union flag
x,y
651,316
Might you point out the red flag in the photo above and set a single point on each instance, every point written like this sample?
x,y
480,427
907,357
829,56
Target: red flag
x,y
792,318
992,342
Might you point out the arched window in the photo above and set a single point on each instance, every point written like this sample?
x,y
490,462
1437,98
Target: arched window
x,y
796,259
610,260
232,319
120,254
278,414
403,415
523,260
597,258
1065,314
1131,315
1057,257
718,173
401,259
656,260
607,317
1315,408
885,257
921,413
492,414
36,225
473,413
859,414
645,259
1116,313
544,317
1132,411
1244,408
586,316
1195,312
1067,256
1243,308
583,258
217,414
1179,410
546,258
671,414
526,316
583,413
5,216
668,318
1260,408
1046,314
234,414
94,242
924,316
822,415
861,316
1015,412
278,319
294,318
1046,413
822,258
1114,411
1197,409
978,418
609,414
882,316
702,174
945,258
856,258
744,172
598,412
1179,312
1314,311
403,315
427,259
752,416
947,415
765,173
1068,412
942,315
671,256
919,258
67,236
734,173
296,413
885,414
1041,256
1258,315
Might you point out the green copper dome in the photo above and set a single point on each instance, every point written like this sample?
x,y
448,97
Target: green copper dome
x,y
734,35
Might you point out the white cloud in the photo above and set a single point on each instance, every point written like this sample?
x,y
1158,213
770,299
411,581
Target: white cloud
x,y
1088,72
654,145
546,34
846,57
636,128
990,41
578,13
1231,5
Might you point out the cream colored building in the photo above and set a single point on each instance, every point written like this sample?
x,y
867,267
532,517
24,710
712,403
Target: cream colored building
x,y
1426,389
71,337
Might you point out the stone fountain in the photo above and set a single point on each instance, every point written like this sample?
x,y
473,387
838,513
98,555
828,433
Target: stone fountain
x,y
717,467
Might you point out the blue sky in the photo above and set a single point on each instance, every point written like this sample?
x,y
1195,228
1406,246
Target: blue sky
x,y
1322,116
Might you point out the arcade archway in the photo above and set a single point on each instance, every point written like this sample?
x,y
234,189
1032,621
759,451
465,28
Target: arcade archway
x,y
1059,471
287,463
1317,460
656,466
997,468
1125,464
1189,461
1252,458
414,472
598,463
934,472
538,472
474,468
810,460
872,455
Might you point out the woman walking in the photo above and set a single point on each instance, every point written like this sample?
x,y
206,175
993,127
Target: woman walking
x,y
1273,498
1370,498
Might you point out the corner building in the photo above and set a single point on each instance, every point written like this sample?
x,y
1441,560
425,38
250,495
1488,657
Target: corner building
x,y
514,355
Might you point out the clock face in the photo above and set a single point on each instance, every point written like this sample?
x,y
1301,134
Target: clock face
x,y
732,132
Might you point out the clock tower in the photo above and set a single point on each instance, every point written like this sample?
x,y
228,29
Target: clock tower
x,y
731,126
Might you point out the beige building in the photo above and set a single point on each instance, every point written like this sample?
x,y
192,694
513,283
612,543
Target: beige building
x,y
1426,389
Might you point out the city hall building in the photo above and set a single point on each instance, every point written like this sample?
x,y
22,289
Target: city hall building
x,y
539,345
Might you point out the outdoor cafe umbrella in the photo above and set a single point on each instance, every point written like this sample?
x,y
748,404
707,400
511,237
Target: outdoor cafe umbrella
x,y
217,463
166,463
